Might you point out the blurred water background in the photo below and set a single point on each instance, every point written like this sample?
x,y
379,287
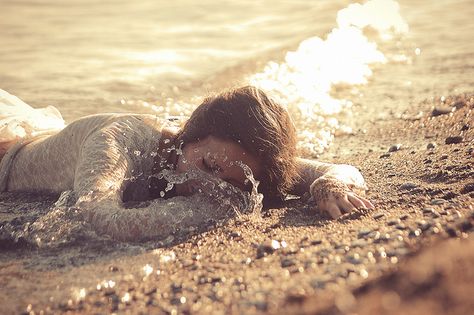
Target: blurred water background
x,y
154,56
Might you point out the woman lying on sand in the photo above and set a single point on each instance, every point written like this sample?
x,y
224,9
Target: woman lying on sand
x,y
124,157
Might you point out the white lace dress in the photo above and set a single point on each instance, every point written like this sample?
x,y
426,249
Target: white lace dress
x,y
95,157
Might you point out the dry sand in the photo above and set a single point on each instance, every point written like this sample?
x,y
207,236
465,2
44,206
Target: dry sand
x,y
412,254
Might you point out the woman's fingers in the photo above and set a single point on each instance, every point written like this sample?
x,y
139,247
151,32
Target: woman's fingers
x,y
345,205
367,202
356,201
360,202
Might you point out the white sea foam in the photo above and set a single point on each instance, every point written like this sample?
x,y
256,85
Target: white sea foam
x,y
306,78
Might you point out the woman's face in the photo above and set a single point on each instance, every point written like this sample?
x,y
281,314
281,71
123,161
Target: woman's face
x,y
217,157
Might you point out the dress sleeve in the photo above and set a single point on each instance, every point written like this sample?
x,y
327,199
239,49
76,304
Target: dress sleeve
x,y
105,164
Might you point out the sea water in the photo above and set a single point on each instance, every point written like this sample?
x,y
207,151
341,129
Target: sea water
x,y
147,56
314,57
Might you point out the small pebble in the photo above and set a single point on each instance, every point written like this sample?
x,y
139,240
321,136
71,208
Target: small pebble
x,y
467,188
441,110
431,145
316,242
408,186
425,226
385,155
401,226
378,215
451,231
428,210
465,127
465,225
363,232
395,147
267,247
458,104
453,140
393,222
287,263
415,233
403,216
438,201
354,259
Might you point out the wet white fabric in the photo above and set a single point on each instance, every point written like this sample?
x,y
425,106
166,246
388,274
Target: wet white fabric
x,y
93,155
96,157
18,120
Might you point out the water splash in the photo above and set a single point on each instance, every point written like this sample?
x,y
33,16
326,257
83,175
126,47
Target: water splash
x,y
304,82
93,218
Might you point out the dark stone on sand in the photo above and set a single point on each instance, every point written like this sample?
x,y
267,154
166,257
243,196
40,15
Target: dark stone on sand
x,y
295,298
403,216
113,268
408,186
176,288
414,233
108,291
431,145
354,259
267,247
287,263
149,291
393,222
441,110
401,226
453,140
465,225
449,195
378,215
425,226
385,155
175,301
438,201
395,147
316,242
451,231
458,104
465,127
467,188
380,238
261,305
363,232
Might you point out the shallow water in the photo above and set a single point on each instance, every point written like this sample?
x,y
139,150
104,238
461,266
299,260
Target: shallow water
x,y
86,57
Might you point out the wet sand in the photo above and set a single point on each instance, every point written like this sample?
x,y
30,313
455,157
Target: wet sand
x,y
412,254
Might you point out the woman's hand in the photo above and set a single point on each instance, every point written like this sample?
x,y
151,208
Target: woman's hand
x,y
339,191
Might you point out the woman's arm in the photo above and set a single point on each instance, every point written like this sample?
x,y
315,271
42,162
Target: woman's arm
x,y
334,188
106,163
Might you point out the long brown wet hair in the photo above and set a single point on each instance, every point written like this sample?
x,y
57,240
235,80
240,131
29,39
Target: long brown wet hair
x,y
261,126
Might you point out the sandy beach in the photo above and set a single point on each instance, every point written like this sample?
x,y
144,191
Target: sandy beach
x,y
404,117
412,254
